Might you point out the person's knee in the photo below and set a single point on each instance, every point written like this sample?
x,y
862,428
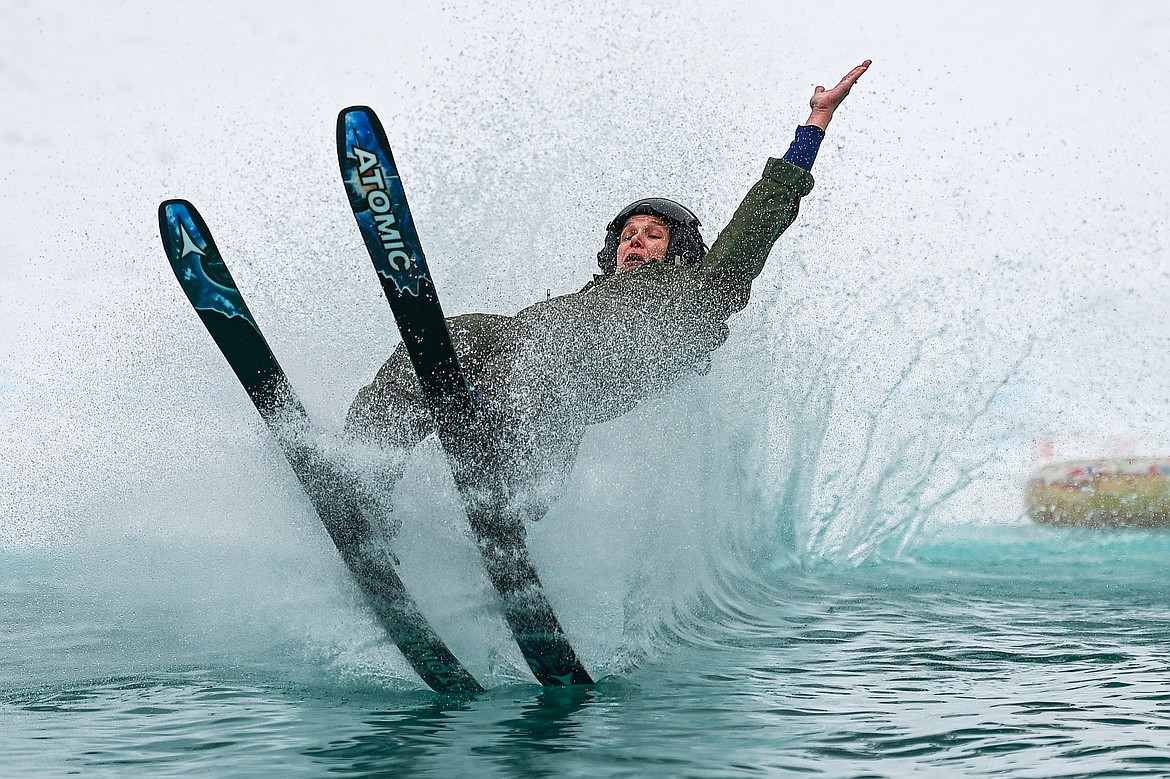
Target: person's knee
x,y
389,414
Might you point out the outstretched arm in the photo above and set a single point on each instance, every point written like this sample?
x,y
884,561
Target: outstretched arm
x,y
825,101
738,255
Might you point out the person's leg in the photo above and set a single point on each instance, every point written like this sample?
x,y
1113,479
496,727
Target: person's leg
x,y
536,446
391,411
387,419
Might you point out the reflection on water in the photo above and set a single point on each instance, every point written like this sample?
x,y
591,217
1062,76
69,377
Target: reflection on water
x,y
520,736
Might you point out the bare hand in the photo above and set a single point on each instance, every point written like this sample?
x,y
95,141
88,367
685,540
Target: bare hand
x,y
825,101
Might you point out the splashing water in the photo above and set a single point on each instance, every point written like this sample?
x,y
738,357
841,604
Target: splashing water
x,y
814,556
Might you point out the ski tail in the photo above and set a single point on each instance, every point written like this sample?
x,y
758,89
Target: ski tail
x,y
217,300
379,204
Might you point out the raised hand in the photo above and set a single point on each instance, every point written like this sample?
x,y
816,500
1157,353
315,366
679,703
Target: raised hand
x,y
825,101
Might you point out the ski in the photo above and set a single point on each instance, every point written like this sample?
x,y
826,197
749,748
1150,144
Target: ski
x,y
379,204
209,285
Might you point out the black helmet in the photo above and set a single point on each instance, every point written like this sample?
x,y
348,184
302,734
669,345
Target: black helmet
x,y
686,244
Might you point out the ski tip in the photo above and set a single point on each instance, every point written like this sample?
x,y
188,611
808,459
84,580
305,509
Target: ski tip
x,y
360,112
167,206
178,220
354,109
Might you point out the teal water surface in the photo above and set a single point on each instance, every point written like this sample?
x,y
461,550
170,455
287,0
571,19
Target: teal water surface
x,y
990,651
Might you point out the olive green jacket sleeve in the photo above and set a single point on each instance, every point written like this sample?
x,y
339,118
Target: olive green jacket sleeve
x,y
737,257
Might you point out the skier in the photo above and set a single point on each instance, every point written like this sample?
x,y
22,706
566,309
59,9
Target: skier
x,y
655,313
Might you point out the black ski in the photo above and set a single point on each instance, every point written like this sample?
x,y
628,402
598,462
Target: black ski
x,y
219,303
379,205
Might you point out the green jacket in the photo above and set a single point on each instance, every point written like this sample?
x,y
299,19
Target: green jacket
x,y
588,357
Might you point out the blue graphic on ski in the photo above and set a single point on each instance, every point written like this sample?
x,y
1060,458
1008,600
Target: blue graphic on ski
x,y
379,204
212,291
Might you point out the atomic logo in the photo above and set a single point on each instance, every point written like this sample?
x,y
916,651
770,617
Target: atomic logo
x,y
373,178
